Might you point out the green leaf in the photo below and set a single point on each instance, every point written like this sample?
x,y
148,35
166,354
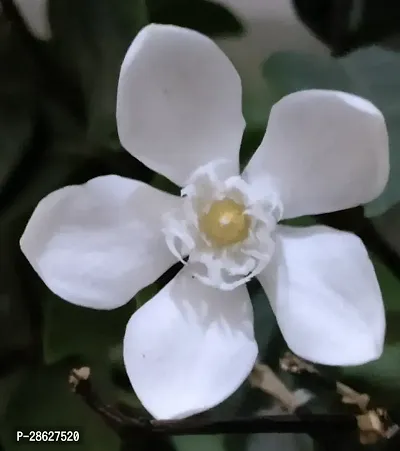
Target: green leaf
x,y
199,443
371,73
44,400
252,138
51,172
303,221
8,385
278,442
265,325
90,39
380,378
17,102
71,330
207,17
389,284
15,324
146,294
288,72
163,184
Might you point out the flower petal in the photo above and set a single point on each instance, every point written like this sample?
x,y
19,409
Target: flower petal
x,y
36,16
179,102
98,244
326,151
190,347
326,296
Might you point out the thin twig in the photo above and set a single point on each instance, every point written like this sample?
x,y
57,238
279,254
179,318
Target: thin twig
x,y
295,365
130,426
373,422
265,379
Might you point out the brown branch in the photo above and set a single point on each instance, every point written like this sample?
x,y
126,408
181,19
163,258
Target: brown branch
x,y
374,422
265,379
126,426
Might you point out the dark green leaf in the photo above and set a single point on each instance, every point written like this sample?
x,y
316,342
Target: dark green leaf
x,y
90,38
205,16
251,140
146,293
17,102
45,401
15,325
390,286
50,172
265,325
8,385
303,221
388,226
199,443
380,379
347,26
71,330
162,183
290,71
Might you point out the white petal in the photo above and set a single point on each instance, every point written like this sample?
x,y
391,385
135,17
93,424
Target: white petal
x,y
326,296
178,102
326,150
190,347
36,16
98,244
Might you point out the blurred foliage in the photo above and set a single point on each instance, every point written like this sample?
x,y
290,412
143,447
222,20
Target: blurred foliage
x,y
348,26
69,330
57,127
17,101
89,41
44,400
207,17
209,442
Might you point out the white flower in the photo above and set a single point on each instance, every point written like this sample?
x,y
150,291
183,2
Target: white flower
x,y
179,112
36,17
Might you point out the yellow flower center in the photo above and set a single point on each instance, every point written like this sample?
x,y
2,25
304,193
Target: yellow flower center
x,y
225,223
